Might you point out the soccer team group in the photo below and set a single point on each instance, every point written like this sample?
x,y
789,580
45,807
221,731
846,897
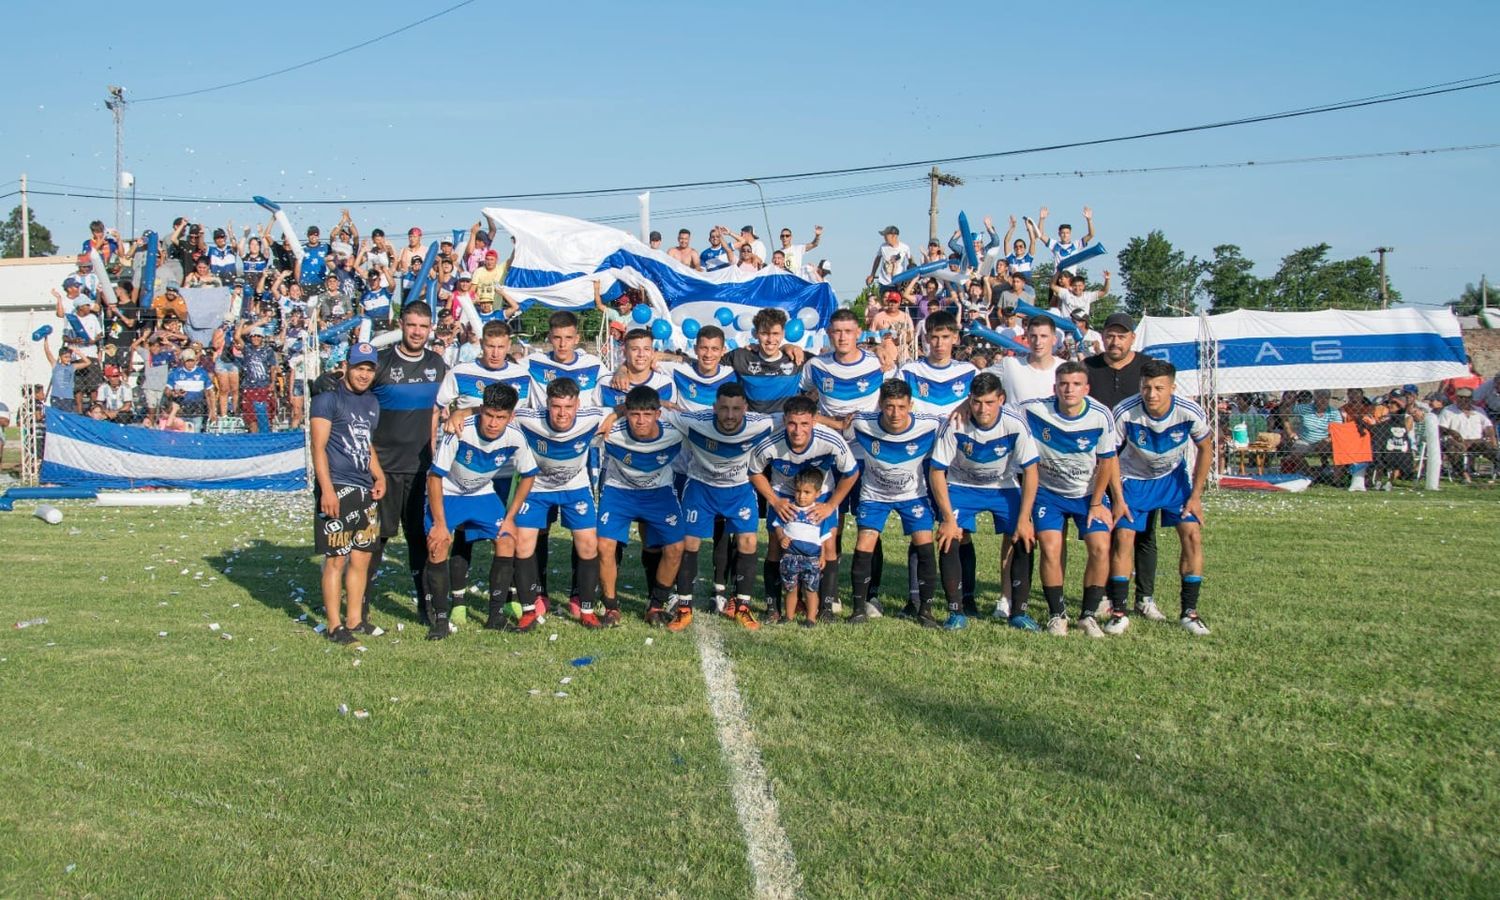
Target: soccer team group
x,y
700,448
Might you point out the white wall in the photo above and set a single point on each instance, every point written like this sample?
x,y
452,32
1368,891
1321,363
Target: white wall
x,y
16,327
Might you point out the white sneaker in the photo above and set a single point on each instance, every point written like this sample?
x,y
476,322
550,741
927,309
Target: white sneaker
x,y
1090,626
1146,607
1357,483
837,606
1058,626
1194,625
1002,609
1117,625
720,601
872,610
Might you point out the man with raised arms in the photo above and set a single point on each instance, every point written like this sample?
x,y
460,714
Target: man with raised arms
x,y
1156,431
461,495
986,463
1075,439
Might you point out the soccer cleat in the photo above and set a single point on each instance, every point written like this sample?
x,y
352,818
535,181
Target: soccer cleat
x,y
527,622
826,614
682,620
718,604
745,617
1002,609
909,611
1194,625
924,617
1117,625
859,618
773,616
1090,626
731,609
1146,608
439,629
541,606
655,616
1057,626
956,621
589,620
1023,622
971,608
808,623
367,629
611,618
873,609
575,607
836,606
341,635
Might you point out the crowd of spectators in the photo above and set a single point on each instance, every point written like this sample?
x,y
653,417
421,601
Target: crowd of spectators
x,y
128,355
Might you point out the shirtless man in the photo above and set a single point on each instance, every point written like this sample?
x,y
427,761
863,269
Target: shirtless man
x,y
684,252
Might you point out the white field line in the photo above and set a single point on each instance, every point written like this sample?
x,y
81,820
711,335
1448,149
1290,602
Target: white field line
x,y
771,859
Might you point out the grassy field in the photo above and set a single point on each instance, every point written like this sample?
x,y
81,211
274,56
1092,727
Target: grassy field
x,y
1336,735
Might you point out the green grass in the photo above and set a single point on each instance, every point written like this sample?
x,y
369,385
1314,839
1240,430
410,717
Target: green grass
x,y
1335,736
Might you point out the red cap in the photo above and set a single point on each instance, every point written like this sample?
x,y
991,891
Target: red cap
x,y
414,230
490,254
111,371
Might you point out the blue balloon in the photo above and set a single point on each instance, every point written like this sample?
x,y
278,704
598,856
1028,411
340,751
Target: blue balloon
x,y
641,313
732,344
41,332
794,329
690,329
725,315
661,329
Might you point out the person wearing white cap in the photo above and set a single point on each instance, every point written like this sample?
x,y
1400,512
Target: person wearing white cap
x,y
189,387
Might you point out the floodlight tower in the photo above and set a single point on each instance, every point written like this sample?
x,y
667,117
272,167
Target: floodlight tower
x,y
116,105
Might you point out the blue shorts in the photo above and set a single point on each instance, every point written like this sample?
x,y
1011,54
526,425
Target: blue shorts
x,y
576,508
1168,493
800,572
478,516
1001,503
773,521
1052,512
702,503
916,515
503,485
657,510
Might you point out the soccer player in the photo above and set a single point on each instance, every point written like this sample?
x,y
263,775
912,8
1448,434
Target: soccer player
x,y
463,387
696,383
985,463
800,444
560,435
1031,378
638,369
719,442
564,360
770,369
1075,440
461,495
1155,431
638,457
407,378
893,446
349,485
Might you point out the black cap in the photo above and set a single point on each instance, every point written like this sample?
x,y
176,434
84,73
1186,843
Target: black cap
x,y
1119,320
219,232
655,235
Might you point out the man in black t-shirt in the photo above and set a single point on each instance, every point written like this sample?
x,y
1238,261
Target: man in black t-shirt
x,y
407,379
1114,376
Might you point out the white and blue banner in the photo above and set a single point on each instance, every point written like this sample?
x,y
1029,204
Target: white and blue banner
x,y
1291,351
99,454
558,259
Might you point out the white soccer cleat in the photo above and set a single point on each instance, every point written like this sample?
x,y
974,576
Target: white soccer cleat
x,y
1194,625
836,606
1090,626
1058,626
1117,625
1146,608
872,610
1002,610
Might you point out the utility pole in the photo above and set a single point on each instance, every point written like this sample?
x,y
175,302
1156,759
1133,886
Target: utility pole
x,y
938,179
1385,300
116,105
25,223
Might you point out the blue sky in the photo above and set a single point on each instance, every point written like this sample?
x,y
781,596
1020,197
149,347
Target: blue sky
x,y
506,98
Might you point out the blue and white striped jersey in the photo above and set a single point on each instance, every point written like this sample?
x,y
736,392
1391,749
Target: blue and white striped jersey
x,y
937,390
993,457
713,457
712,258
694,391
637,465
468,464
222,261
609,398
843,388
561,455
1152,447
584,369
893,465
805,534
825,451
1069,447
465,383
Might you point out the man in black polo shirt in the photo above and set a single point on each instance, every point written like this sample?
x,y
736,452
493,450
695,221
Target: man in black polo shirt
x,y
1115,375
407,379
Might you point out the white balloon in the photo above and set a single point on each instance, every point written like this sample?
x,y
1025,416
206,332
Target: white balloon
x,y
745,321
809,317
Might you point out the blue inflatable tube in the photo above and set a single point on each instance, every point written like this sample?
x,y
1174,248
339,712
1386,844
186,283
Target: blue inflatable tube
x,y
265,204
332,334
51,493
968,239
146,287
918,271
1003,341
1062,321
1084,255
422,273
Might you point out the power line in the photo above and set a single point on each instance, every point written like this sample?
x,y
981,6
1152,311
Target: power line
x,y
310,62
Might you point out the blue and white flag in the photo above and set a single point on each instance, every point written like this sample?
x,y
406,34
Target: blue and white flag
x,y
99,454
1292,351
558,259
